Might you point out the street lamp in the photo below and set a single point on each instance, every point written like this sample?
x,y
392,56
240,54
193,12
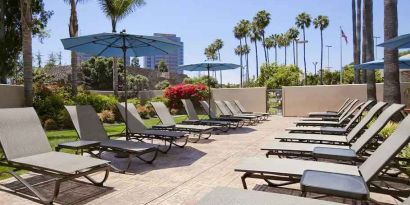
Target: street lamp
x,y
315,63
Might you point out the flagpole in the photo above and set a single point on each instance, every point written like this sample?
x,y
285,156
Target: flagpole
x,y
341,57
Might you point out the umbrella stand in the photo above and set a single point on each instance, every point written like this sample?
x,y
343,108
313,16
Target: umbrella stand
x,y
124,49
209,92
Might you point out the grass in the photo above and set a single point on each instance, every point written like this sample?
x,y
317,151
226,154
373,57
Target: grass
x,y
58,136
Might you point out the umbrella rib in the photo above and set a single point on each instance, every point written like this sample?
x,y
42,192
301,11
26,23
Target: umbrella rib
x,y
142,37
94,41
108,46
148,44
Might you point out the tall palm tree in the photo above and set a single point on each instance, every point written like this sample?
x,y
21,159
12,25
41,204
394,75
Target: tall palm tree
x,y
73,31
368,47
211,52
268,44
391,65
356,37
293,34
254,36
303,21
245,27
218,43
238,50
262,20
246,50
321,22
284,42
26,27
276,39
117,10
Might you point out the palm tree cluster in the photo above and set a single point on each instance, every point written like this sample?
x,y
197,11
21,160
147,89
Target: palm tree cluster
x,y
256,31
212,52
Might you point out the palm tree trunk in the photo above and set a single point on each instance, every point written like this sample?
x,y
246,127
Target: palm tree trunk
x,y
114,64
276,54
321,56
356,44
26,24
257,63
285,56
391,64
241,78
247,60
369,48
267,54
73,30
304,53
359,38
293,50
3,79
264,47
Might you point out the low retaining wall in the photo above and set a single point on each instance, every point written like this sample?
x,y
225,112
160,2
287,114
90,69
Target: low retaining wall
x,y
300,100
253,99
11,96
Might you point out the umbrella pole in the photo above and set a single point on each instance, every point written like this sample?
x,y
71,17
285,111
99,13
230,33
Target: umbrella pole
x,y
124,49
209,98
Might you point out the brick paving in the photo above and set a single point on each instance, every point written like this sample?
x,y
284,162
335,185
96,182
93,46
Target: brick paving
x,y
182,176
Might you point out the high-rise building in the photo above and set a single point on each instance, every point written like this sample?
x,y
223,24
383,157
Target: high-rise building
x,y
172,60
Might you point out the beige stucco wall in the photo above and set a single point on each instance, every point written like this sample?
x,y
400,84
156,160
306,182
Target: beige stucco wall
x,y
300,100
11,96
253,99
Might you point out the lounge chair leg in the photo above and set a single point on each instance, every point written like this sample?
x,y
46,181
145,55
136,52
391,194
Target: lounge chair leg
x,y
183,145
168,146
101,183
151,160
197,140
243,178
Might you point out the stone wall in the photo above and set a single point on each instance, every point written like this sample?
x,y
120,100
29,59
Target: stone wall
x,y
11,96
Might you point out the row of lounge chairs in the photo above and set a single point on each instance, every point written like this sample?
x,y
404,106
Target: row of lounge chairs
x,y
25,145
349,163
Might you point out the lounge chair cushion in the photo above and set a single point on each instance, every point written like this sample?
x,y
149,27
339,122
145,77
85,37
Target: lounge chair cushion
x,y
194,127
129,146
342,185
298,147
163,133
318,137
60,162
336,130
292,167
334,153
224,196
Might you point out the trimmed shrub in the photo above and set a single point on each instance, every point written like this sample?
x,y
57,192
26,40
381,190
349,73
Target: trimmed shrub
x,y
195,92
162,85
107,116
50,124
143,111
99,102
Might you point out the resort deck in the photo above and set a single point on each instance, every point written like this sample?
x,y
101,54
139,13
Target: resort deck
x,y
182,176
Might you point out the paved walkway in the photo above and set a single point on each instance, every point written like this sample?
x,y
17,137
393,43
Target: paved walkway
x,y
182,176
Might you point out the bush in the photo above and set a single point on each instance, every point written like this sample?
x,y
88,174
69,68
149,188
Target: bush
x,y
202,80
99,102
107,116
388,129
143,111
149,107
50,124
195,92
137,82
274,76
162,85
135,101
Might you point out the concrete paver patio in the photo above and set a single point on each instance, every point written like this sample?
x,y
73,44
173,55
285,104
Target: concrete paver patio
x,y
182,176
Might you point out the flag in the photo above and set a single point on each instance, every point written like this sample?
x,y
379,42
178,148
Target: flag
x,y
343,35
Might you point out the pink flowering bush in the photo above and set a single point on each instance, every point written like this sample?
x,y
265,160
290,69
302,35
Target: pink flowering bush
x,y
195,92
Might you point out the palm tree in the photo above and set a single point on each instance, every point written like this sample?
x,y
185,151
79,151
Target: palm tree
x,y
284,41
321,22
117,10
303,21
356,16
276,39
262,20
368,47
245,27
391,65
26,27
73,31
254,36
268,44
238,35
293,34
218,43
246,50
211,52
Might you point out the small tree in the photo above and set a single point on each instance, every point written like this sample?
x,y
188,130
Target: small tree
x,y
135,62
162,85
137,82
52,60
162,66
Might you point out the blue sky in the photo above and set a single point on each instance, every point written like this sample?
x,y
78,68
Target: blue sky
x,y
199,23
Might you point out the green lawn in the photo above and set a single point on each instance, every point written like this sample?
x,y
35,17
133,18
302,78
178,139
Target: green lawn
x,y
59,136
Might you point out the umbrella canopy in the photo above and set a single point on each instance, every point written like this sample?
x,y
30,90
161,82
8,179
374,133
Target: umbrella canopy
x,y
121,45
209,66
402,41
404,62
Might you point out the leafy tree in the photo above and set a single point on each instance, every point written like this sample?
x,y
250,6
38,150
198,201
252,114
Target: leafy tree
x,y
98,73
117,10
275,76
321,22
162,85
303,21
202,80
135,62
38,59
162,66
137,82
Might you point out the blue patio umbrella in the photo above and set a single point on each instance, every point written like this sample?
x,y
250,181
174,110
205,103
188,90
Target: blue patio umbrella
x,y
121,45
404,62
208,66
402,41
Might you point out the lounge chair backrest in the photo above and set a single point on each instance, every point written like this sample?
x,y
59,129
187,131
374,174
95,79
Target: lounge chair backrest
x,y
135,123
205,106
350,113
348,108
386,151
343,105
240,106
163,113
358,113
232,108
375,128
347,103
21,133
190,109
86,123
366,119
222,107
